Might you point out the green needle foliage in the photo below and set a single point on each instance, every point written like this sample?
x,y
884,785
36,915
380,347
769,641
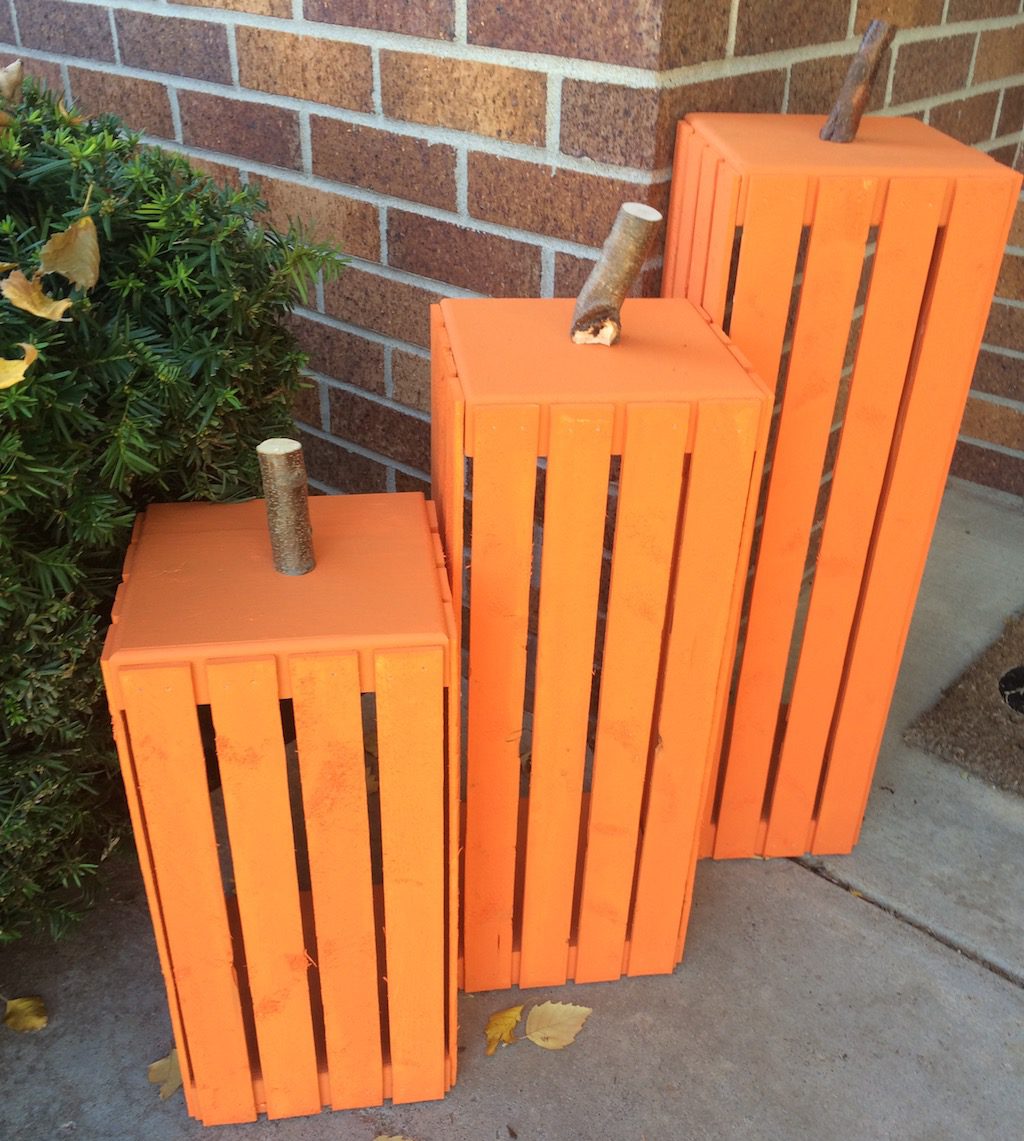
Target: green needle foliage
x,y
156,385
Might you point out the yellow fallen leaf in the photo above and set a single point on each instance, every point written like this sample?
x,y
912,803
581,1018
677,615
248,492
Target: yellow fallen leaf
x,y
13,371
29,295
554,1025
500,1027
26,1014
74,253
10,81
166,1074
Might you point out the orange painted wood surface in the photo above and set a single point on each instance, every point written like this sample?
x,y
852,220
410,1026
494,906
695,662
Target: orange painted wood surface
x,y
554,827
796,765
275,949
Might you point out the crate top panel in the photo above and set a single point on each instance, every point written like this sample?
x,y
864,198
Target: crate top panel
x,y
199,583
518,351
884,147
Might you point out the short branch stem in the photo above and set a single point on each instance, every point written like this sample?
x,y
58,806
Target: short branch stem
x,y
841,125
283,472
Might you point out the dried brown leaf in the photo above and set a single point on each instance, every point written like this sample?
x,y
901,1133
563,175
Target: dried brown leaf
x,y
29,295
26,1014
11,372
500,1027
74,253
166,1073
554,1025
10,81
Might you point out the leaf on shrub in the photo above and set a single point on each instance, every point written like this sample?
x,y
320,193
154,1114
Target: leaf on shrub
x,y
29,295
500,1027
74,254
26,1014
166,1074
11,372
5,119
554,1025
10,81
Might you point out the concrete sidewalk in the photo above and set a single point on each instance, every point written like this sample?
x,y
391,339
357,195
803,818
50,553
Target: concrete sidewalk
x,y
802,1010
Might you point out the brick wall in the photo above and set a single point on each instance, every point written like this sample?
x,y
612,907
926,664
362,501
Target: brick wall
x,y
467,147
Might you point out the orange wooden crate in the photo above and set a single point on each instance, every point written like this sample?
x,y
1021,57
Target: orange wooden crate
x,y
658,440
880,256
326,975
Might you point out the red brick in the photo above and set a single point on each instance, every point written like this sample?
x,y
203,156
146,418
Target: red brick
x,y
251,130
1000,375
281,8
434,19
482,98
1017,229
571,272
6,26
347,223
767,25
81,30
815,83
306,404
405,482
653,34
371,301
397,165
411,378
332,464
1011,278
563,203
980,9
630,126
341,355
142,104
900,13
306,67
1000,53
445,252
221,172
988,467
380,428
1011,117
969,120
931,68
994,423
196,48
48,74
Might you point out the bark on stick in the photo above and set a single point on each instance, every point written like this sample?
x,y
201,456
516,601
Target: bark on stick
x,y
841,125
596,319
283,472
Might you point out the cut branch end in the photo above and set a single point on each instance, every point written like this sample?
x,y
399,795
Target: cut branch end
x,y
283,471
597,319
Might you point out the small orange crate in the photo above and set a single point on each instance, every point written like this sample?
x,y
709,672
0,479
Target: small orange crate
x,y
310,958
857,277
639,460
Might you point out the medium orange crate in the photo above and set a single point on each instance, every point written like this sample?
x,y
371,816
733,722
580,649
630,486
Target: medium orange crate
x,y
856,277
579,862
309,961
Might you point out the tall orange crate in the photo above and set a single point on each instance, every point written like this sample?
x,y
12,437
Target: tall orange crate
x,y
577,864
310,960
879,255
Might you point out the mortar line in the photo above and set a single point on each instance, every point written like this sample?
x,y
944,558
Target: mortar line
x,y
14,23
909,921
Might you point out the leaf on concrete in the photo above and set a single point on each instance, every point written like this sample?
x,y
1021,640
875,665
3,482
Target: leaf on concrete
x,y
166,1074
74,253
500,1027
26,1014
11,372
391,1137
29,295
10,81
554,1025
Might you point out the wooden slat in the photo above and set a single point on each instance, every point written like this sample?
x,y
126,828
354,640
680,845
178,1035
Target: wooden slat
x,y
835,259
772,225
707,185
953,321
679,225
410,729
722,231
645,531
447,454
575,507
168,763
693,696
332,767
254,779
906,240
504,484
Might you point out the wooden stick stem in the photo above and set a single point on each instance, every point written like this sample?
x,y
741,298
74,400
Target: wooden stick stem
x,y
283,472
841,125
597,319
